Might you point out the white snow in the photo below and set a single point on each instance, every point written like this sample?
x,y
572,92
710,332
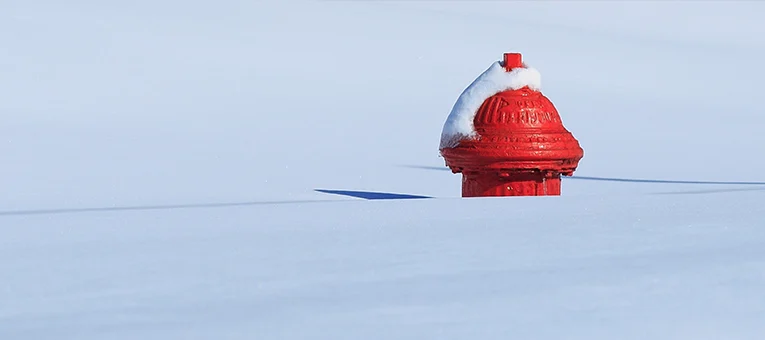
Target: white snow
x,y
158,161
626,267
459,123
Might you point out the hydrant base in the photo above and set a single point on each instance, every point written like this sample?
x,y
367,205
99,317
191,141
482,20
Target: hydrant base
x,y
513,184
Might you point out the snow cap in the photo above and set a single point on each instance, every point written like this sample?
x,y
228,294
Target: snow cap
x,y
509,74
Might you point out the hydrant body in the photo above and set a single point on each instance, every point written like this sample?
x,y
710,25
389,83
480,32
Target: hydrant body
x,y
520,148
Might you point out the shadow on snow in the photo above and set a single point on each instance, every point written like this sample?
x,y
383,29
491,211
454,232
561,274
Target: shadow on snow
x,y
368,195
371,195
615,179
150,207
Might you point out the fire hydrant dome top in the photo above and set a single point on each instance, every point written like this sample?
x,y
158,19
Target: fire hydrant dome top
x,y
509,74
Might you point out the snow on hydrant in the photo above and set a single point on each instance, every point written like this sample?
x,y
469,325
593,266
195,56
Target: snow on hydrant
x,y
506,137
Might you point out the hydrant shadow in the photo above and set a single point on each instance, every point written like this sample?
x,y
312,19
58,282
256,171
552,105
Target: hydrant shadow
x,y
371,195
615,179
660,181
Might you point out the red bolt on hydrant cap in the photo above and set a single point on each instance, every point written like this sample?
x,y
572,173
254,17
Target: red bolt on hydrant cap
x,y
519,146
512,60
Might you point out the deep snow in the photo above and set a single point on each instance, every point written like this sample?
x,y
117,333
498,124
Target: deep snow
x,y
627,267
159,164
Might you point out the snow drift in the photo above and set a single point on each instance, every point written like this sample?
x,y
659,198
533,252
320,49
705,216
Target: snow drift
x,y
459,124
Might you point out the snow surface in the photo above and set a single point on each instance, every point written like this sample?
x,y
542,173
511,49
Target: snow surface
x,y
459,123
627,267
159,167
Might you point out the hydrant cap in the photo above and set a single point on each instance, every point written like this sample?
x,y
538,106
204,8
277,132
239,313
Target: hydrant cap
x,y
512,60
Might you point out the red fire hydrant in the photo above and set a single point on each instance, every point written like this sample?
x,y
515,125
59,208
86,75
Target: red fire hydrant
x,y
518,145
